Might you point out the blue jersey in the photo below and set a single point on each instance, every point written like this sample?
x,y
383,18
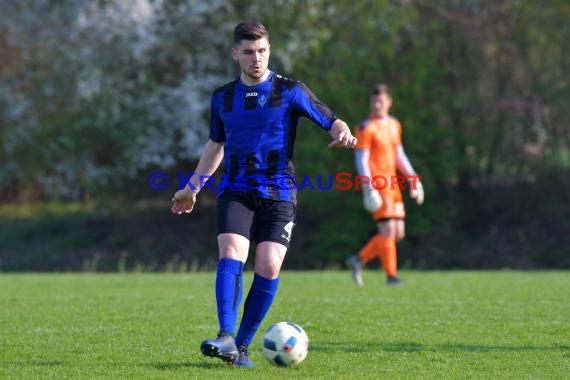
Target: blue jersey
x,y
257,125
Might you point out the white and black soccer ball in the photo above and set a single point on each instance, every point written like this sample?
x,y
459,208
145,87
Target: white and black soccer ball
x,y
285,343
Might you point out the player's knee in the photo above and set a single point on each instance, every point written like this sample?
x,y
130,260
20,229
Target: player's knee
x,y
233,246
231,252
267,271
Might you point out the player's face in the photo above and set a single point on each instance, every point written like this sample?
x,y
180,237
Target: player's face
x,y
253,58
381,104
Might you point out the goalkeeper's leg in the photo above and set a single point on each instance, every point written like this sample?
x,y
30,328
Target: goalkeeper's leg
x,y
389,231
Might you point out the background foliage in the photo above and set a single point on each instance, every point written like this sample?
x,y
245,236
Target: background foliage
x,y
95,96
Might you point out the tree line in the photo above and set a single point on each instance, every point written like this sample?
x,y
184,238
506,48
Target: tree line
x,y
96,95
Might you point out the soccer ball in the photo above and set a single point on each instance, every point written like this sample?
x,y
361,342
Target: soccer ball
x,y
285,343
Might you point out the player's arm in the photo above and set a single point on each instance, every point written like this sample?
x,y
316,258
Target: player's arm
x,y
307,104
361,159
405,167
370,197
184,200
342,137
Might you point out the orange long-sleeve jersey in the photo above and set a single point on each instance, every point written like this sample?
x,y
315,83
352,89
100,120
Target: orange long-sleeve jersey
x,y
381,137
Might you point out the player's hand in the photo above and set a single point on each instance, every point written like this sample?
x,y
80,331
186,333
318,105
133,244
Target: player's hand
x,y
183,201
417,191
344,140
371,199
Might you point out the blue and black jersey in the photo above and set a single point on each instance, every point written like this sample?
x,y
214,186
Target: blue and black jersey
x,y
257,125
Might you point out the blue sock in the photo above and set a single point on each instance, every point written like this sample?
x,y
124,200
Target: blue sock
x,y
257,304
228,293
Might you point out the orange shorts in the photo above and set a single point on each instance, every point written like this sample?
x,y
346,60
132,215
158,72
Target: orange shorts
x,y
392,206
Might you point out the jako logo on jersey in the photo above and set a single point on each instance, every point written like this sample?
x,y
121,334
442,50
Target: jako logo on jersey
x,y
250,93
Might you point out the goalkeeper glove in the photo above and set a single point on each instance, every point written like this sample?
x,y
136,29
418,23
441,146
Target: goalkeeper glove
x,y
371,199
417,191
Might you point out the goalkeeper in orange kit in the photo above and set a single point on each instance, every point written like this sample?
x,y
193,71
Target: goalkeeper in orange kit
x,y
379,153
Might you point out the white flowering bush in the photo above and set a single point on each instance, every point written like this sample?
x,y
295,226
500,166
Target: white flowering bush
x,y
94,92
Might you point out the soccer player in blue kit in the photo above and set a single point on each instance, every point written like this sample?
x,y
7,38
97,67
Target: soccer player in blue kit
x,y
253,125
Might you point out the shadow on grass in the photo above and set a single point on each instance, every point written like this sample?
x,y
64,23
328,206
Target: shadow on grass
x,y
178,365
417,347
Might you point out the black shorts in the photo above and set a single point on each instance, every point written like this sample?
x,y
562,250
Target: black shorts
x,y
255,218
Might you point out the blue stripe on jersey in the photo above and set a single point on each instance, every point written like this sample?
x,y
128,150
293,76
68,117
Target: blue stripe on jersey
x,y
258,125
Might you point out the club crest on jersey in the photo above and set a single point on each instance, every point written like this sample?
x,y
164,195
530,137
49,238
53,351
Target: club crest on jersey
x,y
262,100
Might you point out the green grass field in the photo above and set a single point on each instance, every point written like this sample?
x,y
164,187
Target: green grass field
x,y
454,325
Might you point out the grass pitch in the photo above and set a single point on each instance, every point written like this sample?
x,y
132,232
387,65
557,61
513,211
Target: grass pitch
x,y
452,325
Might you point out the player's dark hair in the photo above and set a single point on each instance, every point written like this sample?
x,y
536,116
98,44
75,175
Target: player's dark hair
x,y
381,88
250,30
